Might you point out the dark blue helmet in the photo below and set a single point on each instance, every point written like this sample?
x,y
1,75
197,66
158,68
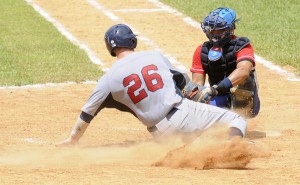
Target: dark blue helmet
x,y
119,35
219,26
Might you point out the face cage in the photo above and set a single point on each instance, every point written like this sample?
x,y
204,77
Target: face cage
x,y
219,40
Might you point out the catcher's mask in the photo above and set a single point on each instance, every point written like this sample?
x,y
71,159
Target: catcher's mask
x,y
119,35
219,26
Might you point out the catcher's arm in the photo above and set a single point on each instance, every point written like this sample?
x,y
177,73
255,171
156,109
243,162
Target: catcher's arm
x,y
241,73
198,78
238,76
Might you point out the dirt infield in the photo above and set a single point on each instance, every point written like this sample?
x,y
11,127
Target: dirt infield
x,y
116,148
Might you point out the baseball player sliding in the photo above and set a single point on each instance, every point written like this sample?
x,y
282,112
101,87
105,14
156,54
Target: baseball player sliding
x,y
148,86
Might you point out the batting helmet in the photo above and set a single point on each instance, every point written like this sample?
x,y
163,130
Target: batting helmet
x,y
119,35
219,26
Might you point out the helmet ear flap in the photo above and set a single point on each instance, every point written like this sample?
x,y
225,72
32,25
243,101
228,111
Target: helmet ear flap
x,y
235,21
132,39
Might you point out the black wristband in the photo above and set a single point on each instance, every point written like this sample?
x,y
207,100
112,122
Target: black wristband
x,y
224,86
86,117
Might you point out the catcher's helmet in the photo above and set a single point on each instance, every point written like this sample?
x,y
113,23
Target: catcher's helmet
x,y
119,35
219,26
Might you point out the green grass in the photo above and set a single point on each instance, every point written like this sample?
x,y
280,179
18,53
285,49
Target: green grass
x,y
32,51
273,26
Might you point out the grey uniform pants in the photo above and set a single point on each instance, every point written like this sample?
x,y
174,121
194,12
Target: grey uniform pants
x,y
189,116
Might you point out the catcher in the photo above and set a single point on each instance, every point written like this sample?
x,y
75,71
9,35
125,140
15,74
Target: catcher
x,y
229,63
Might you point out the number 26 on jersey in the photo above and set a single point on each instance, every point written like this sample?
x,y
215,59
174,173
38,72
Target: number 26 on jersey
x,y
153,82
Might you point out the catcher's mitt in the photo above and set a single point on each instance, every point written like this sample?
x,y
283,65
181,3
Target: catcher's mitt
x,y
193,91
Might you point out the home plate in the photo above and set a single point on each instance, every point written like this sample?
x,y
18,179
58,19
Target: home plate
x,y
272,133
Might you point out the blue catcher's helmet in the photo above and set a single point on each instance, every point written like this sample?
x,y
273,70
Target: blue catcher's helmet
x,y
119,35
219,26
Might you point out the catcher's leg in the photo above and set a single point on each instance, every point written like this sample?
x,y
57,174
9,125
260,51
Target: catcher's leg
x,y
244,98
220,101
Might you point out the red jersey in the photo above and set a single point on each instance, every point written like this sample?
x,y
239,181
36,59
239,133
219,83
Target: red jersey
x,y
247,53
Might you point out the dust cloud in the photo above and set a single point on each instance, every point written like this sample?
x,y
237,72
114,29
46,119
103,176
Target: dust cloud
x,y
214,153
205,152
143,153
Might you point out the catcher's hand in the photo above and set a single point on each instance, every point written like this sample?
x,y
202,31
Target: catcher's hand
x,y
207,94
192,91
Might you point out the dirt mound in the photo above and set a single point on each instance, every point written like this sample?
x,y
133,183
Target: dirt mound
x,y
209,154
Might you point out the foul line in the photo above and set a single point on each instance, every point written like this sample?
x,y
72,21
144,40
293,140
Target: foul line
x,y
46,85
89,52
142,38
139,10
165,7
268,64
92,56
64,32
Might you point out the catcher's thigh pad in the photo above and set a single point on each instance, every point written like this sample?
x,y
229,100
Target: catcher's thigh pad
x,y
242,97
242,102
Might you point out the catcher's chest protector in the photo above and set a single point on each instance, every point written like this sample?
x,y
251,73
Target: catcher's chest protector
x,y
223,67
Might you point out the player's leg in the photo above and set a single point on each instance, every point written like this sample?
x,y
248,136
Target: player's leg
x,y
204,116
192,116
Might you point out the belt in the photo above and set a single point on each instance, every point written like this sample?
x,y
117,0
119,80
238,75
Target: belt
x,y
169,115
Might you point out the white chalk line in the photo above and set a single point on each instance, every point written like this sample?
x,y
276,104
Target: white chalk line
x,y
139,10
38,86
165,7
75,41
92,56
103,10
149,42
66,33
268,64
96,60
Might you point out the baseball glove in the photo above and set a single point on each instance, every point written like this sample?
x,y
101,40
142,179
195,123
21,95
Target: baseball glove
x,y
193,91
